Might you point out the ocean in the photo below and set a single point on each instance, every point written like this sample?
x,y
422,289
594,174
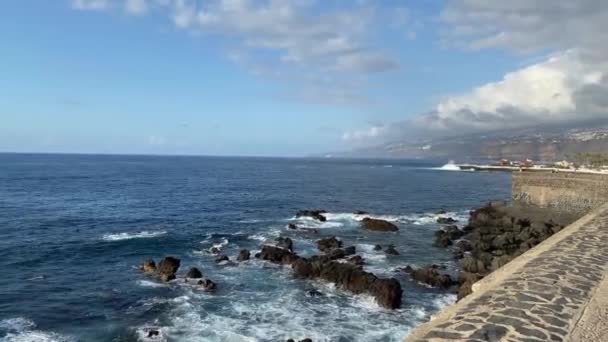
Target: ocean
x,y
75,228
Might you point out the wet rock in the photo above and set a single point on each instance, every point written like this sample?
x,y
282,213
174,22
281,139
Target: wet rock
x,y
149,266
446,220
277,255
350,250
214,250
315,214
153,333
356,260
194,273
351,278
167,268
390,250
328,244
378,225
244,255
207,284
286,243
222,258
314,293
442,239
441,212
335,254
306,340
292,226
377,248
465,283
430,275
360,212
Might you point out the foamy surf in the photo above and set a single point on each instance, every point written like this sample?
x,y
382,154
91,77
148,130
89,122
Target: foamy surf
x,y
23,330
128,236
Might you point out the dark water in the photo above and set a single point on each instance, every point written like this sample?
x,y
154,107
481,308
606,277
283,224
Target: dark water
x,y
74,228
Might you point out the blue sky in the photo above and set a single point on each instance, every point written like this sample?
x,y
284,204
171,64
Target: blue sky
x,y
235,77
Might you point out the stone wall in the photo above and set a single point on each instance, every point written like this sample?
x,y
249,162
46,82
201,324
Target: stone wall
x,y
556,291
565,191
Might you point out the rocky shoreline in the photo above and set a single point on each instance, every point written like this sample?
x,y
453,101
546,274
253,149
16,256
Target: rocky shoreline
x,y
493,235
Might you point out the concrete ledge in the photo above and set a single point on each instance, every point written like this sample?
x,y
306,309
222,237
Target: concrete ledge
x,y
551,292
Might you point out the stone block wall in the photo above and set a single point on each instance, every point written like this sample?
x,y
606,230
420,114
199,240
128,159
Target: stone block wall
x,y
569,192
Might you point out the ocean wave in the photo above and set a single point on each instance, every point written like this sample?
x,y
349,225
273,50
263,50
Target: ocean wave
x,y
23,330
127,236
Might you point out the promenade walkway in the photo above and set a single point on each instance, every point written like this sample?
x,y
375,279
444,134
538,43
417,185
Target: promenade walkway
x,y
557,291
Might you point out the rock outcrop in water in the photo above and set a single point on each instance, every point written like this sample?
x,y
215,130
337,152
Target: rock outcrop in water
x,y
378,225
285,243
351,278
244,255
167,268
327,244
430,275
149,266
315,214
347,276
194,273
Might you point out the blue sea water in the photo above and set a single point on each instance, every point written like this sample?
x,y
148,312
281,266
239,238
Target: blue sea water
x,y
75,228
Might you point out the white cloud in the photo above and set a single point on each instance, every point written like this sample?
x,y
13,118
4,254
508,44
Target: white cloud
x,y
370,133
90,5
136,7
564,88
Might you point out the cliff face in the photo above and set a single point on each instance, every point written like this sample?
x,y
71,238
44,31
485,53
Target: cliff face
x,y
541,146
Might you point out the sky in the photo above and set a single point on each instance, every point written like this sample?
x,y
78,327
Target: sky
x,y
291,78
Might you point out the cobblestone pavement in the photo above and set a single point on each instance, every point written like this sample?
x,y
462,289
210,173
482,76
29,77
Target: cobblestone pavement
x,y
543,301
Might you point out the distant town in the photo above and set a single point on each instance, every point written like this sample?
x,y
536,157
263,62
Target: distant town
x,y
582,162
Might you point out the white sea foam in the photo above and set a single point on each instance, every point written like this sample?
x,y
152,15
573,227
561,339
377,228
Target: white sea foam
x,y
23,330
127,236
149,283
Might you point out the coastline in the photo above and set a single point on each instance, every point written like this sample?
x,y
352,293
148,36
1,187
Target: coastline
x,y
555,290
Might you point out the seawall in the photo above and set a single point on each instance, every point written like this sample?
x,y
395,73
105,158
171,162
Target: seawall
x,y
556,291
569,192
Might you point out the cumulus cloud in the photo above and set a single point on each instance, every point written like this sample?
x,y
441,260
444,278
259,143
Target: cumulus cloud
x,y
564,88
365,135
569,86
335,41
289,41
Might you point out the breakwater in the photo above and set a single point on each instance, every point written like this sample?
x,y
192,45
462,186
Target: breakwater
x,y
556,291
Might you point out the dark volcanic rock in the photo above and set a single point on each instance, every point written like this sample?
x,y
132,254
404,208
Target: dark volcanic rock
x,y
390,250
446,220
277,255
167,268
446,236
149,266
378,225
430,275
194,273
286,243
328,244
292,226
207,284
350,250
315,214
377,248
222,258
244,255
356,260
351,278
314,293
465,283
360,212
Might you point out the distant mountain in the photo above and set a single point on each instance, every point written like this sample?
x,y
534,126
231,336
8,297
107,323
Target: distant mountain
x,y
537,144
